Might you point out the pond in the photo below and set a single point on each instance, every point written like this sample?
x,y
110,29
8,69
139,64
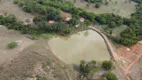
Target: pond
x,y
86,45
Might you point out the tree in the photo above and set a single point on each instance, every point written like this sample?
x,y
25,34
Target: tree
x,y
97,5
38,19
112,24
84,68
10,19
106,2
107,65
94,1
27,9
87,22
52,14
15,1
90,16
110,32
119,22
73,22
111,76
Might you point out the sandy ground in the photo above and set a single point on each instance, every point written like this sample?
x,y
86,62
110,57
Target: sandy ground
x,y
131,60
7,7
123,7
7,36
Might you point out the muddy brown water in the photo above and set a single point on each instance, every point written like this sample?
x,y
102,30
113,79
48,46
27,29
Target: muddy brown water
x,y
86,45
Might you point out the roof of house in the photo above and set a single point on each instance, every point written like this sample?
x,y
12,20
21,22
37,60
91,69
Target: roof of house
x,y
82,19
68,19
50,21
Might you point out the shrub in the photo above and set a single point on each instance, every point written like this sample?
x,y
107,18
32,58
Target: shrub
x,y
111,76
40,78
107,65
97,5
12,45
15,1
84,68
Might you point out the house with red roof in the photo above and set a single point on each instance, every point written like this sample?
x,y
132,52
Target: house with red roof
x,y
50,21
82,19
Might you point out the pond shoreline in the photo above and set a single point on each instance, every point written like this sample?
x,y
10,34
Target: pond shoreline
x,y
110,48
80,47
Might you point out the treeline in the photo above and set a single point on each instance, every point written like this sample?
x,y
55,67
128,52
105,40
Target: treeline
x,y
50,10
138,1
58,27
132,34
94,1
12,23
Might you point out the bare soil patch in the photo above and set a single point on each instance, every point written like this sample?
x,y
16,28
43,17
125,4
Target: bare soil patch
x,y
65,15
7,36
128,57
34,60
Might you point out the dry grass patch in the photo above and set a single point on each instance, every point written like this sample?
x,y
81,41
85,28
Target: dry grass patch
x,y
25,66
123,8
7,7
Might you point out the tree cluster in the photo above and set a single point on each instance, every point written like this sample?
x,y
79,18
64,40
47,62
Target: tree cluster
x,y
86,67
50,10
43,27
89,68
12,23
132,34
94,1
138,1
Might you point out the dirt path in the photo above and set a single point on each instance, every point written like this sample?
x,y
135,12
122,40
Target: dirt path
x,y
132,64
116,57
111,50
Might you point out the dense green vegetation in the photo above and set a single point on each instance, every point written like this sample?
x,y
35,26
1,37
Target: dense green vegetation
x,y
12,23
138,1
107,65
12,45
98,3
51,10
132,34
40,78
87,67
111,76
94,1
90,68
